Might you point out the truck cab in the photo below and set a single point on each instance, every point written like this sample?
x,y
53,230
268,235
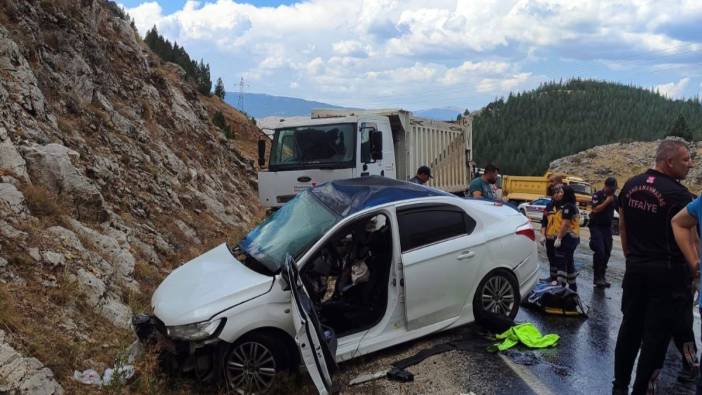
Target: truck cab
x,y
325,147
335,144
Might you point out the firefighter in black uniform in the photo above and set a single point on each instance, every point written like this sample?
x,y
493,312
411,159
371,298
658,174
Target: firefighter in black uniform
x,y
655,292
603,205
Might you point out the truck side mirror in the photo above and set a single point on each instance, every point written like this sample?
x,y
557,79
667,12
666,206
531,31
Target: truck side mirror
x,y
376,144
261,152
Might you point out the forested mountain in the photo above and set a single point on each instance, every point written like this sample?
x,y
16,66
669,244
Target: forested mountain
x,y
199,72
261,105
525,132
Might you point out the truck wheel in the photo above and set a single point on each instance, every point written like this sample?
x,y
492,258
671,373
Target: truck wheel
x,y
256,364
497,293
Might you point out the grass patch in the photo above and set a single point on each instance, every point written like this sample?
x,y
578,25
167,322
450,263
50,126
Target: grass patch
x,y
64,291
148,277
38,319
43,203
8,315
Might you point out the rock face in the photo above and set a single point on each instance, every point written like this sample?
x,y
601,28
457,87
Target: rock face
x,y
10,159
51,166
111,175
12,199
24,375
621,160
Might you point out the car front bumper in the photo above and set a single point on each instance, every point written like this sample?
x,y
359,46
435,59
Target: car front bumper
x,y
178,357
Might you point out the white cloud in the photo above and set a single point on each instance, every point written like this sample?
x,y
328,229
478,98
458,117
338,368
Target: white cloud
x,y
504,84
470,69
673,90
145,15
393,51
351,48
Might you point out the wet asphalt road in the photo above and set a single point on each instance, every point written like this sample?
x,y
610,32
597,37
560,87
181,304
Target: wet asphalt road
x,y
582,363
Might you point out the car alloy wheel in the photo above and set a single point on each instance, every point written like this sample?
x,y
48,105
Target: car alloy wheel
x,y
497,294
250,368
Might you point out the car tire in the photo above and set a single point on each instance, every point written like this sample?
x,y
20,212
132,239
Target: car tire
x,y
497,293
256,363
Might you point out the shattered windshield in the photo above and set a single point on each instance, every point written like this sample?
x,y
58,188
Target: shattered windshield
x,y
290,230
314,146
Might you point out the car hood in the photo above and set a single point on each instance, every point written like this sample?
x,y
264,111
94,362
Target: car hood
x,y
205,286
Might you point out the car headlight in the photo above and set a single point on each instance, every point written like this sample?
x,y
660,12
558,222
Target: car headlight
x,y
197,331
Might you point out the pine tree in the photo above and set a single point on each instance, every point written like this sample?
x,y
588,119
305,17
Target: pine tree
x,y
680,129
194,71
219,89
151,37
204,83
219,121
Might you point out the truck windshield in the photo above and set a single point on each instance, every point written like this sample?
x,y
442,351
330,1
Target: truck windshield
x,y
581,188
291,230
327,146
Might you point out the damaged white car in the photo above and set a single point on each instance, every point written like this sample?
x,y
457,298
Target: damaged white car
x,y
344,269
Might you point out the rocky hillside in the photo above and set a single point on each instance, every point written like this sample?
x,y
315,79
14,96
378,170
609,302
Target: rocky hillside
x,y
621,160
111,175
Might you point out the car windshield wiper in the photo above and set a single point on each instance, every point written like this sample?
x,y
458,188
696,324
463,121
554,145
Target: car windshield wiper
x,y
249,261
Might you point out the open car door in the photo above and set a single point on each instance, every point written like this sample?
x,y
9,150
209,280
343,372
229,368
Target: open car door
x,y
314,342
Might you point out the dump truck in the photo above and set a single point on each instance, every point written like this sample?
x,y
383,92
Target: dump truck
x,y
341,143
518,189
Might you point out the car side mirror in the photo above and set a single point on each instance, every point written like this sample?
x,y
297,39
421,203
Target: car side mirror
x,y
376,145
261,152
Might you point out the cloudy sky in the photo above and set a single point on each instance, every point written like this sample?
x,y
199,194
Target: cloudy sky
x,y
439,53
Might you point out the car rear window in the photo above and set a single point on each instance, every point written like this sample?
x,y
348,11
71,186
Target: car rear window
x,y
424,225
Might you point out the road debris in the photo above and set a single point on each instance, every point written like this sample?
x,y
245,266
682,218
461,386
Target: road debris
x,y
400,375
364,378
91,377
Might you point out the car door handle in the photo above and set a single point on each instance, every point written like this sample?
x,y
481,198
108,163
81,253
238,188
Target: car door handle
x,y
466,255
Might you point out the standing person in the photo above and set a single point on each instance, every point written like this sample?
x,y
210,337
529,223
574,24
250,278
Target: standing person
x,y
603,205
654,290
423,175
684,224
481,187
553,182
564,228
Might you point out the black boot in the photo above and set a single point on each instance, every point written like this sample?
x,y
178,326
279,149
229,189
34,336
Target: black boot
x,y
602,283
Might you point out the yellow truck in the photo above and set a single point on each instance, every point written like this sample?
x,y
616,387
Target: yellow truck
x,y
518,189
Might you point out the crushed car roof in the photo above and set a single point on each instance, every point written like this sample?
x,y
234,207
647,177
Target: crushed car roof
x,y
346,197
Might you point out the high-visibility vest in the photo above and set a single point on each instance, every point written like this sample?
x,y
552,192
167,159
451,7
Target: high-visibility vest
x,y
555,220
